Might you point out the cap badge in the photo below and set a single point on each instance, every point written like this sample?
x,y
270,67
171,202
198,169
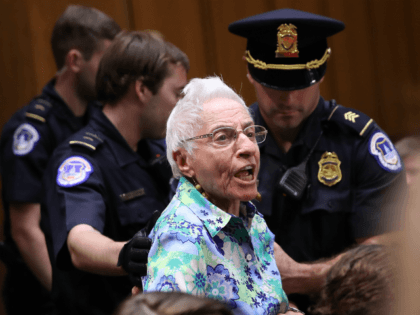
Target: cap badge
x,y
329,169
287,41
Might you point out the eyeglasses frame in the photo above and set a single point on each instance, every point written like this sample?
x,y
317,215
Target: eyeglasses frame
x,y
265,131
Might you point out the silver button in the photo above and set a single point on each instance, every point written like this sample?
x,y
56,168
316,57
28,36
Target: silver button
x,y
248,257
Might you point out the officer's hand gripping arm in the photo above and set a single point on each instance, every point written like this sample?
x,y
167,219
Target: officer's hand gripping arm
x,y
133,256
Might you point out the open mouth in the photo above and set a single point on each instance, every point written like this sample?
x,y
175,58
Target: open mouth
x,y
246,174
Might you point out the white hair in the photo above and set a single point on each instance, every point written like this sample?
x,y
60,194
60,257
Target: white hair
x,y
185,119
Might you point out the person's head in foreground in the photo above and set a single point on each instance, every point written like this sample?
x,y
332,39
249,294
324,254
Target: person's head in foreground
x,y
361,282
171,303
210,241
409,150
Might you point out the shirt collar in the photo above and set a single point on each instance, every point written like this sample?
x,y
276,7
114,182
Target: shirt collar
x,y
213,218
61,109
312,127
307,136
119,146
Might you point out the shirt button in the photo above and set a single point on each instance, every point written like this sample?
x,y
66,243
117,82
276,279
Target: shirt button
x,y
248,257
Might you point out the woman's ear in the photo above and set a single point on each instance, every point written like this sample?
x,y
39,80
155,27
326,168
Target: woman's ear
x,y
142,92
183,160
74,60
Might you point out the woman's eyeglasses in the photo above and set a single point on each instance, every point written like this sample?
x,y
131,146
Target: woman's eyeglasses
x,y
227,135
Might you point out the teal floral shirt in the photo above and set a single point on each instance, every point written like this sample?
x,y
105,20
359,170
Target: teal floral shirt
x,y
202,250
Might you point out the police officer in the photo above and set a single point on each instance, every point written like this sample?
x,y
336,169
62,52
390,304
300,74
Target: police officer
x,y
104,183
79,38
325,168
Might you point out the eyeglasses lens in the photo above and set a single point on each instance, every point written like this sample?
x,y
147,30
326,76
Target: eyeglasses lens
x,y
225,136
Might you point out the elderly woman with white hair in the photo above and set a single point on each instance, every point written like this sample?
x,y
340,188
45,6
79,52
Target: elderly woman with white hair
x,y
211,241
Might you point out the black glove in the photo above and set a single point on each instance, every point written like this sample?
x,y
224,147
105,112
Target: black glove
x,y
133,255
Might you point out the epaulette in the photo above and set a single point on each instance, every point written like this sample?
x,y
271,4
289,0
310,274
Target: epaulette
x,y
38,109
87,139
354,119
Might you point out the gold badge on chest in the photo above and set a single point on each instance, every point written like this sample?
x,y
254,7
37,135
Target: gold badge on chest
x,y
329,169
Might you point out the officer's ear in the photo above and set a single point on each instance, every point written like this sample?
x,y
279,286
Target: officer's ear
x,y
74,60
248,75
143,93
183,160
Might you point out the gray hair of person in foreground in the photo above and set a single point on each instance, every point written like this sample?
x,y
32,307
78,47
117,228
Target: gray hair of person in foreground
x,y
185,120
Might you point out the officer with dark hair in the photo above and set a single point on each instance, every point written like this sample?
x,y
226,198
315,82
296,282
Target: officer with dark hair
x,y
104,183
325,168
79,39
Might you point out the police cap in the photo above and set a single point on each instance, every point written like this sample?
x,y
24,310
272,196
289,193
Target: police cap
x,y
287,49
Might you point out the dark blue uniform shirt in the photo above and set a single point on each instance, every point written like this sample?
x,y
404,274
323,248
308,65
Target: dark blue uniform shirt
x,y
95,178
27,142
333,211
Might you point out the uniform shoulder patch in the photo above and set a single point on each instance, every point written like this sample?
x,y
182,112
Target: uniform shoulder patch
x,y
24,139
384,152
73,171
354,119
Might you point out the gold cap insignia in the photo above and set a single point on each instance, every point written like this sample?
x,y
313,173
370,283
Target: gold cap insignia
x,y
329,169
287,41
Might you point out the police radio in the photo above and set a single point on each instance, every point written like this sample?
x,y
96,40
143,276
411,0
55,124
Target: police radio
x,y
294,180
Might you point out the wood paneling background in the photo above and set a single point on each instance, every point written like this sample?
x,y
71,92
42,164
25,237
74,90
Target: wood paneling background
x,y
374,65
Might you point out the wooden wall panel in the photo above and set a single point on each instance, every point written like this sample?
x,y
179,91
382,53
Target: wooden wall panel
x,y
410,90
228,48
41,26
18,76
180,22
351,65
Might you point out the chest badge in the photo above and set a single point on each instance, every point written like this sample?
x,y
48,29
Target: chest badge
x,y
329,169
287,41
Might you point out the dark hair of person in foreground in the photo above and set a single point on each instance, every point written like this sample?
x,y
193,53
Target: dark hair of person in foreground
x,y
361,282
171,303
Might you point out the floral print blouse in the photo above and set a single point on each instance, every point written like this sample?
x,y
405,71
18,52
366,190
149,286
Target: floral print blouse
x,y
202,250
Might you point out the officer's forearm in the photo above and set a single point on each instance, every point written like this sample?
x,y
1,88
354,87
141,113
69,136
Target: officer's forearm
x,y
299,277
93,252
30,240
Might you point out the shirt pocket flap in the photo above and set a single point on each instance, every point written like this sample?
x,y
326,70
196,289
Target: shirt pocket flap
x,y
328,200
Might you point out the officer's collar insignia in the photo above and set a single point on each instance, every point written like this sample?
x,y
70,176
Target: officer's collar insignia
x,y
384,152
73,171
329,169
24,139
287,40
